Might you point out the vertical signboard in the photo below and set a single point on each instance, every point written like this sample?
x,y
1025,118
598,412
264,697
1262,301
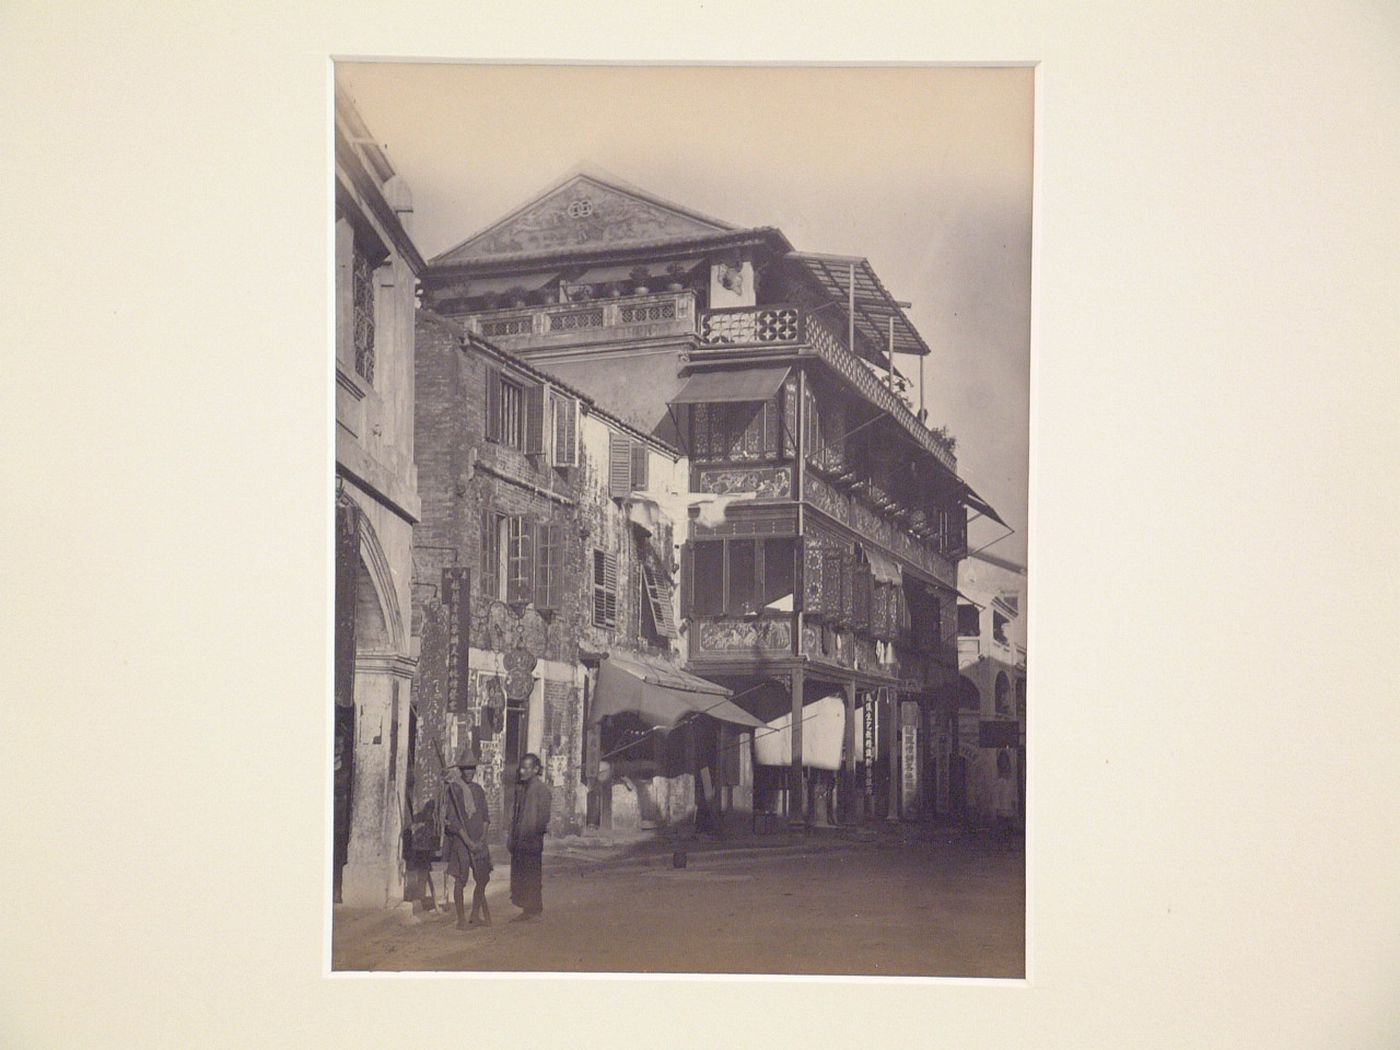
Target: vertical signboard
x,y
869,745
456,600
909,772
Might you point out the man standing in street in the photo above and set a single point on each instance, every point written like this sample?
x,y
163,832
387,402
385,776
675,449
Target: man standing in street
x,y
529,820
465,841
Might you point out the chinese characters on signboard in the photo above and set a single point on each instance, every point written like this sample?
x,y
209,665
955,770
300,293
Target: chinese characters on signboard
x,y
456,599
909,760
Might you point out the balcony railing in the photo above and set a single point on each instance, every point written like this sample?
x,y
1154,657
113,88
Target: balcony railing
x,y
788,325
664,313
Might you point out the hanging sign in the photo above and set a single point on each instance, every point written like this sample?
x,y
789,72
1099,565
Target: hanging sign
x,y
909,760
870,737
456,600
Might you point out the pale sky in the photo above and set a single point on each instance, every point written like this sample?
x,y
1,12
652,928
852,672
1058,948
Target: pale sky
x,y
925,171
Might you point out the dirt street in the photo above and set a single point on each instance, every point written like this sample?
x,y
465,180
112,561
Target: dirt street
x,y
899,903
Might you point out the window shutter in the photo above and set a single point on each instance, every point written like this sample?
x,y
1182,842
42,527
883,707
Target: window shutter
x,y
700,432
789,401
864,586
493,403
688,581
565,431
534,420
813,580
549,581
619,465
658,592
604,588
639,464
771,421
490,557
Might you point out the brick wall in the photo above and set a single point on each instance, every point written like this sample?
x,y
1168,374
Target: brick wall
x,y
461,475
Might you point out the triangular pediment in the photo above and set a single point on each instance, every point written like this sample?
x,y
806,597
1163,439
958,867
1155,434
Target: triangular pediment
x,y
584,211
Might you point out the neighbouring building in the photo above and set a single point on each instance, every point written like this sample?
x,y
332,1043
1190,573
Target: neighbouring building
x,y
376,505
822,521
545,573
992,683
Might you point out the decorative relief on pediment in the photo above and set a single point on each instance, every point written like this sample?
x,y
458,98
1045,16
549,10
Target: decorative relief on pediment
x,y
584,213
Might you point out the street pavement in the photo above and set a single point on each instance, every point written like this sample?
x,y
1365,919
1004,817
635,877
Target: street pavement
x,y
894,901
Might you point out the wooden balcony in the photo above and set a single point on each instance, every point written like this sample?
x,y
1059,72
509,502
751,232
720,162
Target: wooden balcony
x,y
774,327
591,321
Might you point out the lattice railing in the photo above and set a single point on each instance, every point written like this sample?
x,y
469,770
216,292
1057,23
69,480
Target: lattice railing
x,y
675,309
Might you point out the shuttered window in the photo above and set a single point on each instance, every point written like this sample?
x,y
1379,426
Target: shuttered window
x,y
520,566
619,465
656,583
627,465
604,589
549,567
514,412
490,554
534,421
565,431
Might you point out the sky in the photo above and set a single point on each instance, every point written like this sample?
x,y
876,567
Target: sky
x,y
925,171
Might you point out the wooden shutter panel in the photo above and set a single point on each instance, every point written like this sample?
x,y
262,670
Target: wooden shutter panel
x,y
813,580
490,557
640,453
534,420
565,431
549,576
604,589
619,465
772,419
493,403
688,581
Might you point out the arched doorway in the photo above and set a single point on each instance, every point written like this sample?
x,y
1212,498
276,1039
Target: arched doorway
x,y
370,708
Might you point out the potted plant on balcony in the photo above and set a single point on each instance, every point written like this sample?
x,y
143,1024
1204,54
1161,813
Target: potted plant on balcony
x,y
640,276
676,272
517,295
614,289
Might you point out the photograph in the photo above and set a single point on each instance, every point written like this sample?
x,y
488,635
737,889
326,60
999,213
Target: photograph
x,y
680,536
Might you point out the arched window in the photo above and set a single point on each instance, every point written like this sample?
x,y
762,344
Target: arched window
x,y
1003,694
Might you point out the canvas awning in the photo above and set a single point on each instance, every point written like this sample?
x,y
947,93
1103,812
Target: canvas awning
x,y
736,384
657,274
823,732
875,309
660,694
980,505
479,286
884,568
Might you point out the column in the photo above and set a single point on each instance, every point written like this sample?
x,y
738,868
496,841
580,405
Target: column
x,y
374,869
890,703
850,792
797,806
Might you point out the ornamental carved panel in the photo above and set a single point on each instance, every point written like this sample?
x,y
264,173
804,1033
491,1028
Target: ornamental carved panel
x,y
827,499
768,482
724,636
583,212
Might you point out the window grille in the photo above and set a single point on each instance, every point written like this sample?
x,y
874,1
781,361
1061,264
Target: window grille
x,y
362,298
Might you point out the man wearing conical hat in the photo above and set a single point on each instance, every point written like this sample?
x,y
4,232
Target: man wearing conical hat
x,y
465,822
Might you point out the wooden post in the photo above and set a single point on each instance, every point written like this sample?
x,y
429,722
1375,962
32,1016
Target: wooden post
x,y
851,311
890,357
849,793
798,811
895,725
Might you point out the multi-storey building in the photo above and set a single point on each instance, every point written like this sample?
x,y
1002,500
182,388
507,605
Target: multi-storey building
x,y
991,697
376,267
544,566
823,591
